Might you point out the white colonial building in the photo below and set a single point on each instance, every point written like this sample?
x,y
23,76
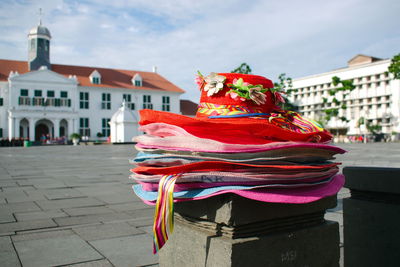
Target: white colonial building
x,y
38,98
376,96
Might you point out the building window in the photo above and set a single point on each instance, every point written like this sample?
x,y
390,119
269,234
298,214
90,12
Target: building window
x,y
165,103
84,100
50,93
137,80
96,80
24,98
128,100
106,101
38,100
51,101
105,127
84,127
24,92
147,102
38,93
63,101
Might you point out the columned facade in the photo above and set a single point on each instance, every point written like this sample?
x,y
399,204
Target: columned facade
x,y
33,126
38,98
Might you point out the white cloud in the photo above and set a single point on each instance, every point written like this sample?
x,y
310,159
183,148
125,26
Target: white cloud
x,y
181,37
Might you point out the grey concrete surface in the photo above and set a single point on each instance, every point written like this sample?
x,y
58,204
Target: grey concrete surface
x,y
73,205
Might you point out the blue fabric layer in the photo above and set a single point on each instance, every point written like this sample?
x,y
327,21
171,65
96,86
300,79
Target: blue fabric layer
x,y
142,156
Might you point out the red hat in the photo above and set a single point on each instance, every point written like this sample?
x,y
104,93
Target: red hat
x,y
241,105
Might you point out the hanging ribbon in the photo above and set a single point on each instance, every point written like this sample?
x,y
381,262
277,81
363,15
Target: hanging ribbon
x,y
163,224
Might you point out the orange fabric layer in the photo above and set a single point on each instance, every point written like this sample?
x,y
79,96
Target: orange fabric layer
x,y
235,130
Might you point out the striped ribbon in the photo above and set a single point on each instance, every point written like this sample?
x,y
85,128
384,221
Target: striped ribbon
x,y
163,224
293,121
289,120
215,109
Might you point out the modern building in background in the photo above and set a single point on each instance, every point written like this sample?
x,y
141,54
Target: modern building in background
x,y
375,99
39,99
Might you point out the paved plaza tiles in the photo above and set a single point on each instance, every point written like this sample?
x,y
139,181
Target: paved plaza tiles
x,y
73,205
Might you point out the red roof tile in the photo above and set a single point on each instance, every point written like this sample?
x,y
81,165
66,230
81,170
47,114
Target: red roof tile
x,y
111,78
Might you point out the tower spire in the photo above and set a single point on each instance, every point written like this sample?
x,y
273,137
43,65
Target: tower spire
x,y
40,16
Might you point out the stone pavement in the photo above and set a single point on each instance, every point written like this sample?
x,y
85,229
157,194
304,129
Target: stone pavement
x,y
73,206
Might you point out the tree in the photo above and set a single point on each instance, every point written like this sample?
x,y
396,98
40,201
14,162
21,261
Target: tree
x,y
371,128
244,68
344,89
394,67
285,85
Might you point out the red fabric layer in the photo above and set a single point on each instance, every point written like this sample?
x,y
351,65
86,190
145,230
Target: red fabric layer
x,y
208,166
232,131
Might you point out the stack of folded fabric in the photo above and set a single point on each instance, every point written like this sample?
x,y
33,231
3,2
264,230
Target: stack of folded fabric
x,y
240,142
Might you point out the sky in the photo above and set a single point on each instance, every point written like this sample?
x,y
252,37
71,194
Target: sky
x,y
180,37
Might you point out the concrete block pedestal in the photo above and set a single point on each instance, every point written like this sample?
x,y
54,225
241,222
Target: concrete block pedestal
x,y
229,230
371,217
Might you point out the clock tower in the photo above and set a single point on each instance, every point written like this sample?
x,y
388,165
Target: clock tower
x,y
39,47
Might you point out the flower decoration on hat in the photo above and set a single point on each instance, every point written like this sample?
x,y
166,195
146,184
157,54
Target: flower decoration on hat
x,y
245,91
278,97
214,83
199,80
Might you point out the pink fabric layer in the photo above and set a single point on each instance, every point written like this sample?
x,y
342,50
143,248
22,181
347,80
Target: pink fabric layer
x,y
189,143
188,186
163,129
293,196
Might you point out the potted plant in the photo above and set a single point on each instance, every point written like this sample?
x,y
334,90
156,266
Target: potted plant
x,y
75,138
100,136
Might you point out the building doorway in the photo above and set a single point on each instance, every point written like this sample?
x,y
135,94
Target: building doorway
x,y
63,128
43,130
